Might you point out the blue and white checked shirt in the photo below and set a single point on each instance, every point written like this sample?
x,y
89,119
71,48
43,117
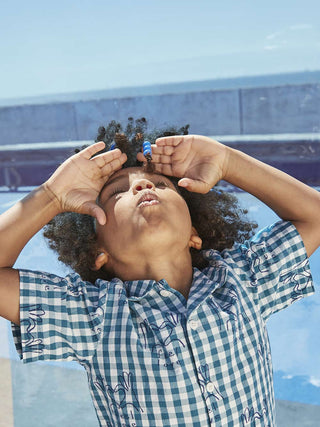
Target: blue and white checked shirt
x,y
155,359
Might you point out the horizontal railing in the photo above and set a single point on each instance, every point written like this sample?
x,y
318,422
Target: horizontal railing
x,y
297,154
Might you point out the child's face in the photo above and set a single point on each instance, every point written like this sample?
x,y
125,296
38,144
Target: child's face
x,y
145,216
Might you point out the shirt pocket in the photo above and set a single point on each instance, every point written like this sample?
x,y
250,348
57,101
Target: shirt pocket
x,y
231,316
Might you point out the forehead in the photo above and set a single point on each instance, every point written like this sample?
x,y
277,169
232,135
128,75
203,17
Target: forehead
x,y
130,173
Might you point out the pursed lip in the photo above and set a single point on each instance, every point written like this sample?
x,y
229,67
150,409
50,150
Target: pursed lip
x,y
147,196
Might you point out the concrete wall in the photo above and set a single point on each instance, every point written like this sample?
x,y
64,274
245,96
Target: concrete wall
x,y
264,110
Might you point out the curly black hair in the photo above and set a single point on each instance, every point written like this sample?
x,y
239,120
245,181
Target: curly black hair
x,y
217,216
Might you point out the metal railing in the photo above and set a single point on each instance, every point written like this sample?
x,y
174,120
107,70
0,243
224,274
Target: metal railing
x,y
297,154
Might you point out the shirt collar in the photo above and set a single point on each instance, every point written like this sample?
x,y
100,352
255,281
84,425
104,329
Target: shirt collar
x,y
139,288
204,283
151,292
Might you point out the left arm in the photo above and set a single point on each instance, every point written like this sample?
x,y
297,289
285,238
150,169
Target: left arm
x,y
289,198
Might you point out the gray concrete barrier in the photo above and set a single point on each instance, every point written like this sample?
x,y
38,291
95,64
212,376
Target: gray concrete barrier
x,y
260,110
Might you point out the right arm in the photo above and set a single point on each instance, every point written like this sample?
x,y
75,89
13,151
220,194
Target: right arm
x,y
17,226
74,187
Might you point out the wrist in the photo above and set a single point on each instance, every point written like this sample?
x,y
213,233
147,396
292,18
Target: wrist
x,y
52,199
229,163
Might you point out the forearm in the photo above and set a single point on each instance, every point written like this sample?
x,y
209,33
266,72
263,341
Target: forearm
x,y
288,197
22,221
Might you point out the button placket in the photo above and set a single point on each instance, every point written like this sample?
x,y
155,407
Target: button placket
x,y
194,324
209,390
164,293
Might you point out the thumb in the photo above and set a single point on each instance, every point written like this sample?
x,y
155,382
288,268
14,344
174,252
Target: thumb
x,y
193,185
91,208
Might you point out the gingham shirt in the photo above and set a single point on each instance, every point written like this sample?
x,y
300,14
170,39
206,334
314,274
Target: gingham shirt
x,y
155,359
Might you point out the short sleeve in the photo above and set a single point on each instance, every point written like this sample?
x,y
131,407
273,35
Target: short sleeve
x,y
60,318
278,267
272,268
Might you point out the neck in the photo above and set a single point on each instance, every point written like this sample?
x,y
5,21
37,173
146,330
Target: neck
x,y
177,270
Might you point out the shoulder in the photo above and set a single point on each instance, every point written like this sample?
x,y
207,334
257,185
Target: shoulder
x,y
271,238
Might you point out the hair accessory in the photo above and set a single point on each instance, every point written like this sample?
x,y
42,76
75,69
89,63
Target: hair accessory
x,y
112,146
147,152
216,191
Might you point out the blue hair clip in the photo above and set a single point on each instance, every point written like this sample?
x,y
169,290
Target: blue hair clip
x,y
147,152
112,146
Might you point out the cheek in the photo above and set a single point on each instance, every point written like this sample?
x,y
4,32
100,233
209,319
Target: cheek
x,y
108,235
186,215
116,212
179,211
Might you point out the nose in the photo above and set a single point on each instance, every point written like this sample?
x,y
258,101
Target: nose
x,y
142,184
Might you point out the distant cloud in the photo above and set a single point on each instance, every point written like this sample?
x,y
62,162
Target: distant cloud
x,y
295,339
278,45
296,27
299,27
276,40
279,39
287,377
314,381
274,35
271,47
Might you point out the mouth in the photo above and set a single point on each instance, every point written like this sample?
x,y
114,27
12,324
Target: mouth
x,y
148,198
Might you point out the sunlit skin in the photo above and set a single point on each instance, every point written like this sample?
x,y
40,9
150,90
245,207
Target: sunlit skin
x,y
148,233
151,241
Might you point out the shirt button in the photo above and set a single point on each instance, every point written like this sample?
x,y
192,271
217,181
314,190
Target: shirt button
x,y
210,387
194,324
164,293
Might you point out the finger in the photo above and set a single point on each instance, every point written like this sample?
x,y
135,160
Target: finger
x,y
156,158
95,211
104,158
169,140
176,154
93,149
161,158
163,169
109,168
165,149
194,185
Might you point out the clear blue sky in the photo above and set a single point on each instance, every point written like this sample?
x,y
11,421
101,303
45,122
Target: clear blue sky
x,y
69,46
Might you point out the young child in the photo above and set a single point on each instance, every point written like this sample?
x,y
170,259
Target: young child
x,y
168,335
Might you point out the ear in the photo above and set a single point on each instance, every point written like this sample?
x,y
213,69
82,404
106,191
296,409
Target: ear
x,y
195,241
101,259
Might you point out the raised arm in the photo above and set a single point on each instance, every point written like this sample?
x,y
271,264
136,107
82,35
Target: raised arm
x,y
73,187
201,162
289,198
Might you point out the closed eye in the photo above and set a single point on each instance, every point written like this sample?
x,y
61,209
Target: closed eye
x,y
161,184
117,190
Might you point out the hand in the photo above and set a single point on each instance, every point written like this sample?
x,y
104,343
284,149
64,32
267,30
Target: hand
x,y
200,161
76,184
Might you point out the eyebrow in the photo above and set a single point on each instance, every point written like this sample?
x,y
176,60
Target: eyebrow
x,y
108,182
120,177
